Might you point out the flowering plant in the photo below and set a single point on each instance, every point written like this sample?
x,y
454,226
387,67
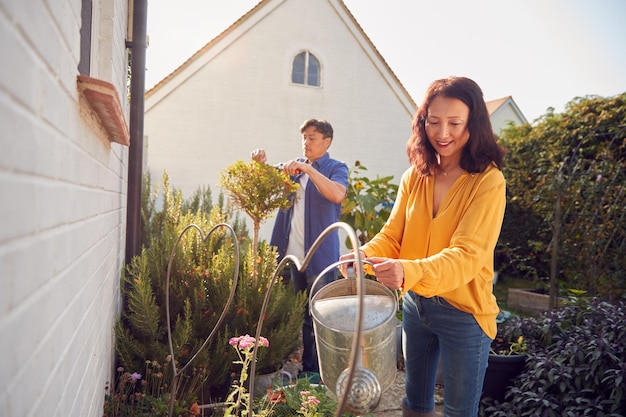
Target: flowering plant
x,y
302,399
134,394
368,203
310,404
238,401
501,346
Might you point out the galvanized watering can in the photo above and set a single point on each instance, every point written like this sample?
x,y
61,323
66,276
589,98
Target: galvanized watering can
x,y
354,320
334,309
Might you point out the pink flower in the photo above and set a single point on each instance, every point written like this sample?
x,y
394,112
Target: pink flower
x,y
309,402
247,342
135,376
312,400
264,342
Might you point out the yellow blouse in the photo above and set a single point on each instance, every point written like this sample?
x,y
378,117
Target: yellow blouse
x,y
450,255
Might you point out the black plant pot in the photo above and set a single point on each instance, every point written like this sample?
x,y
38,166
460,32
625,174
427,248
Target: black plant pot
x,y
500,371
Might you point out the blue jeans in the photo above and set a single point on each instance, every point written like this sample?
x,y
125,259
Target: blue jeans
x,y
303,283
433,328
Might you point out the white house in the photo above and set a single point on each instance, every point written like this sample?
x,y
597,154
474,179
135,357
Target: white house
x,y
241,91
254,84
63,187
503,112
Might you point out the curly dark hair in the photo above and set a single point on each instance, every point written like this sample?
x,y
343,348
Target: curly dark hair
x,y
481,149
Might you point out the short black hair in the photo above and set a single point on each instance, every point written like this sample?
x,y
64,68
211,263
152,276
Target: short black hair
x,y
321,125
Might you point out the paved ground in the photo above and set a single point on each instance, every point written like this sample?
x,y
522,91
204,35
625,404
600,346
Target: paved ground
x,y
391,399
390,402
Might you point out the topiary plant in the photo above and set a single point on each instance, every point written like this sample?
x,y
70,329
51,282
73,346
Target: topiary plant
x,y
259,190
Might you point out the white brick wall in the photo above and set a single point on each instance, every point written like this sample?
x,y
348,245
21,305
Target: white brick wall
x,y
62,212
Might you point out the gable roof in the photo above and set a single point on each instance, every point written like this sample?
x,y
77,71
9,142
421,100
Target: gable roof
x,y
262,9
497,105
499,108
493,105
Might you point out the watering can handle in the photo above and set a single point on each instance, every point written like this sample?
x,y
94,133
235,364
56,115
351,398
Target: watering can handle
x,y
350,276
370,263
330,268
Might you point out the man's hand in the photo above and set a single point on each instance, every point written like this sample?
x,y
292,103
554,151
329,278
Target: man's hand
x,y
259,155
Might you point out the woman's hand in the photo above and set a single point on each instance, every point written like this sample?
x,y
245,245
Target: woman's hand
x,y
343,268
388,272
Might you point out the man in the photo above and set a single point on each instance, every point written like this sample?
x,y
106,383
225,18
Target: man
x,y
323,186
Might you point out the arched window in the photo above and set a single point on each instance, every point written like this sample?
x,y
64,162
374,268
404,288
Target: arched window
x,y
306,69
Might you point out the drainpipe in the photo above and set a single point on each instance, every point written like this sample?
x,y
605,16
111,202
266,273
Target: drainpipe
x,y
135,159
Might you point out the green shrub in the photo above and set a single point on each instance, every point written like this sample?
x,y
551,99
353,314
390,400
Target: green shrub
x,y
200,283
368,203
565,176
576,363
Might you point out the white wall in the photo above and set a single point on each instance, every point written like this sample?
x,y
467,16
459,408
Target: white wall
x,y
62,211
238,96
504,116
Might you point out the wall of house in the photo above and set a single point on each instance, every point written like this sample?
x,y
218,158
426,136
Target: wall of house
x,y
62,211
504,116
238,96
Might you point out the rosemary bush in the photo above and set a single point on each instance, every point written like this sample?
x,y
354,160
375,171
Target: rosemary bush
x,y
200,283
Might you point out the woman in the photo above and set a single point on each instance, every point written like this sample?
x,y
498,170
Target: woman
x,y
438,244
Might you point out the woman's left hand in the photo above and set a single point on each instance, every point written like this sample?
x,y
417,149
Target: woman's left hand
x,y
388,272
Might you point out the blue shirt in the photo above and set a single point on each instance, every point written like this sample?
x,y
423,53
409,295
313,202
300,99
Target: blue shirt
x,y
319,213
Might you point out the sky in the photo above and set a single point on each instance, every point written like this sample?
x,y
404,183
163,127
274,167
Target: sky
x,y
543,53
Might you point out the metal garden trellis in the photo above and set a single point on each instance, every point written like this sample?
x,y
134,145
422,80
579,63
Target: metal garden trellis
x,y
355,350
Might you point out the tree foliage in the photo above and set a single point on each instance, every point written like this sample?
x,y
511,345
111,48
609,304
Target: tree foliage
x,y
566,197
259,190
368,203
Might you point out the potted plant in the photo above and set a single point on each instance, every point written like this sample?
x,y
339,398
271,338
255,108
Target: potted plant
x,y
302,398
259,190
507,359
